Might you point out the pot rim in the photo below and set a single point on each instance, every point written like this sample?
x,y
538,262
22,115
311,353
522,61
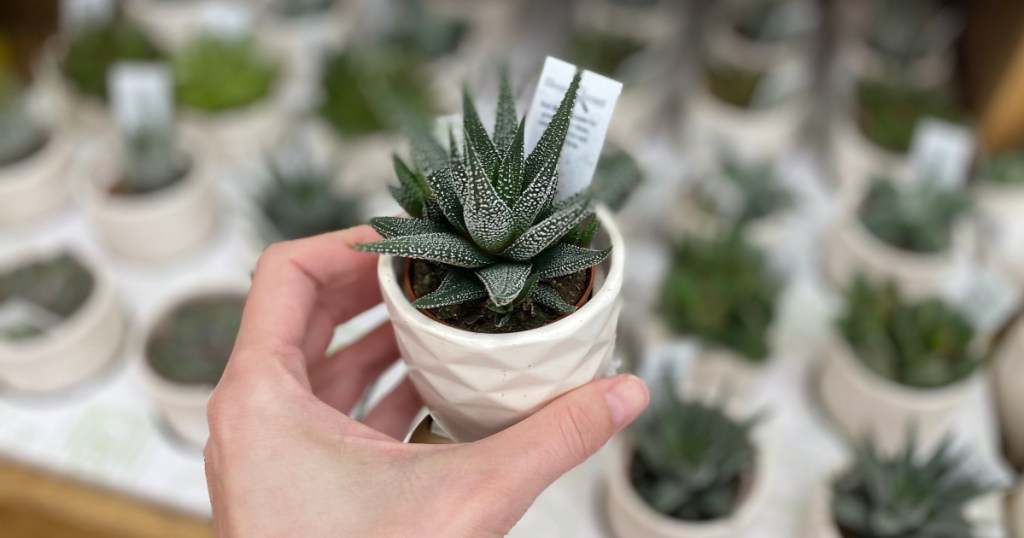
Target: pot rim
x,y
602,298
19,174
867,246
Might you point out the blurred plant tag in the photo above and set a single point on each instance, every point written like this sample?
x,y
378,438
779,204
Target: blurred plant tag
x,y
141,95
987,298
78,14
668,365
591,116
941,152
226,19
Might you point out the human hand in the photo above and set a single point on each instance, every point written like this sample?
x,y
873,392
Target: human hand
x,y
284,459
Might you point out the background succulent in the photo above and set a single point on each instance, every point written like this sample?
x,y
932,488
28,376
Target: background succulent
x,y
192,346
907,30
55,287
888,111
924,344
732,84
691,462
301,200
94,49
214,73
772,21
151,160
917,218
20,136
301,8
488,216
421,32
905,495
721,291
758,189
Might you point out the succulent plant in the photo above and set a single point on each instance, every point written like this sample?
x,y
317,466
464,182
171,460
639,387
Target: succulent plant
x,y
301,200
905,495
918,218
487,218
215,73
55,288
362,88
616,177
601,52
301,8
421,32
692,462
151,161
888,111
907,30
193,344
732,84
20,136
94,49
721,291
756,187
1006,168
773,21
924,344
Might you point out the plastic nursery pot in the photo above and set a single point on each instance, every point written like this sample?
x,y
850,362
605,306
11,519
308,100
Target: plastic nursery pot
x,y
72,351
478,384
861,403
183,405
36,185
630,516
1007,373
158,225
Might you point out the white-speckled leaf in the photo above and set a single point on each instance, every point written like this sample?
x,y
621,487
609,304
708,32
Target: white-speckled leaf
x,y
389,227
504,281
537,197
457,287
412,190
505,122
547,296
476,136
510,172
561,259
488,220
551,141
442,184
548,231
436,247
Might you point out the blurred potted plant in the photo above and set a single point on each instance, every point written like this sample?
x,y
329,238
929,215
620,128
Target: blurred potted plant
x,y
185,353
157,200
720,291
229,89
997,188
170,22
898,495
33,157
60,320
686,469
898,363
491,284
905,234
301,30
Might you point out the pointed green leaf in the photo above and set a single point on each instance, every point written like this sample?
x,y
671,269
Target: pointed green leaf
x,y
406,201
583,234
433,213
488,220
550,143
453,146
509,182
457,287
476,136
616,177
547,296
428,154
548,231
389,227
561,259
537,197
436,247
412,190
505,123
442,184
504,281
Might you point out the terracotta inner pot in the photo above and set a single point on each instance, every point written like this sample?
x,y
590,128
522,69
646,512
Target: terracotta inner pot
x,y
588,291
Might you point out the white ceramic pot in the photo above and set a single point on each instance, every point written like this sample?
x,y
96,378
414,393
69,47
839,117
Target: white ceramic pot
x,y
1007,379
170,22
72,351
478,384
759,132
241,134
38,184
859,159
717,373
820,523
183,405
302,41
931,71
631,517
862,403
158,225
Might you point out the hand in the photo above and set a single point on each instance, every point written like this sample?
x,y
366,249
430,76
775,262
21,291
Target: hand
x,y
284,459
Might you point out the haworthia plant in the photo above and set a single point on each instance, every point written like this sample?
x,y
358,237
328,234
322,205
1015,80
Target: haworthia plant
x,y
905,495
151,159
488,213
301,200
55,288
192,346
913,218
20,136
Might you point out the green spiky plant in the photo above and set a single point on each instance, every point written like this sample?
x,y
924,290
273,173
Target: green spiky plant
x,y
151,161
758,189
56,288
888,111
905,495
486,222
93,50
692,462
924,344
907,30
192,346
20,136
1005,168
916,218
215,73
421,32
771,21
302,202
721,291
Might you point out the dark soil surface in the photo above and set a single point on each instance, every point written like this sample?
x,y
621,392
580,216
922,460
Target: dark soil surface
x,y
474,316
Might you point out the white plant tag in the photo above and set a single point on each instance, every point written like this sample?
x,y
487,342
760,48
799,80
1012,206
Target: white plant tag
x,y
591,116
986,297
228,20
941,152
141,95
668,363
78,14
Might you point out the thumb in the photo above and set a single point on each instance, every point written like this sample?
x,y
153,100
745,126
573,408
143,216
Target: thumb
x,y
567,431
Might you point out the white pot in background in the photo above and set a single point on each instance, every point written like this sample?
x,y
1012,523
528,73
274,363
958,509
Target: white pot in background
x,y
478,384
820,523
717,373
245,133
302,41
858,159
157,225
631,517
37,184
1008,389
862,403
171,23
72,351
930,71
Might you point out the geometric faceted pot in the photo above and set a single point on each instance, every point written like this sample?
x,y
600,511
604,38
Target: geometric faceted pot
x,y
478,384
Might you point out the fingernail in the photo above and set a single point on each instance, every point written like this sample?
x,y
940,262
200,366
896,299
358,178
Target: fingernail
x,y
627,397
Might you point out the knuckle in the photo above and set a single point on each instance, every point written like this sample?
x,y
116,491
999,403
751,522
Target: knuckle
x,y
577,428
274,255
